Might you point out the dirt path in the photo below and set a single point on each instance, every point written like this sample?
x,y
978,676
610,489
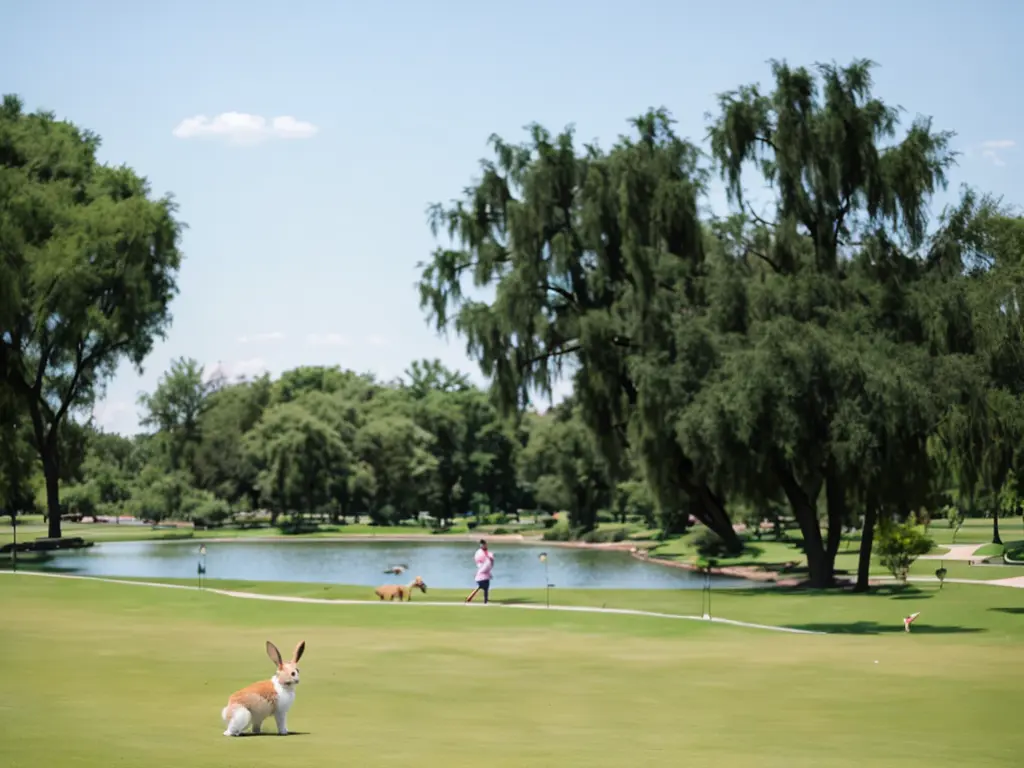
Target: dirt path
x,y
517,606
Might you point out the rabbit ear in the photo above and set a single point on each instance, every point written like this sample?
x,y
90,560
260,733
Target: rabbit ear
x,y
273,653
299,650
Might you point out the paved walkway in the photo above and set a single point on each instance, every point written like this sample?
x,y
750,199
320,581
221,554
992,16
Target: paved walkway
x,y
957,552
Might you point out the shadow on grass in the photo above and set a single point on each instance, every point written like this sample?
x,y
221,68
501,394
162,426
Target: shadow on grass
x,y
249,734
874,628
890,591
40,564
515,601
1012,611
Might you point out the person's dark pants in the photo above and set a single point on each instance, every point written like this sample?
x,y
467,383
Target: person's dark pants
x,y
484,585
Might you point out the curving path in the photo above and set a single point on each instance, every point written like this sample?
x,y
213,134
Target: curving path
x,y
324,601
956,552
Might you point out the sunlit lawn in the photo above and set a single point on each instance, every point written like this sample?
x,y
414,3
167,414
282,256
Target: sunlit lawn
x,y
771,554
110,674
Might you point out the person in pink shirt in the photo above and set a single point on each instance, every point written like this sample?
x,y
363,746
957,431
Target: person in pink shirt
x,y
484,564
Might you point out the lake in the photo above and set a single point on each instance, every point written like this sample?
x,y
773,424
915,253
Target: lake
x,y
442,564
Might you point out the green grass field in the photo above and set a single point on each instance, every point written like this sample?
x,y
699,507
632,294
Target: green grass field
x,y
106,674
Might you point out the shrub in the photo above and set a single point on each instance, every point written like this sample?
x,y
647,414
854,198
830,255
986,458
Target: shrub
x,y
604,516
1014,552
599,536
549,522
386,515
500,531
557,533
471,524
210,513
898,545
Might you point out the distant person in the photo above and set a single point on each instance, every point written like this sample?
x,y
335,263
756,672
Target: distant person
x,y
484,560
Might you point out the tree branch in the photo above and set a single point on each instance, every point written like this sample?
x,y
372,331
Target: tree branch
x,y
567,295
758,219
568,350
776,267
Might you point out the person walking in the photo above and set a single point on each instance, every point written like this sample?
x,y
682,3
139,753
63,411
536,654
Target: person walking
x,y
484,560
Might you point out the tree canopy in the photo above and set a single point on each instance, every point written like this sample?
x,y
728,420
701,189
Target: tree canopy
x,y
89,265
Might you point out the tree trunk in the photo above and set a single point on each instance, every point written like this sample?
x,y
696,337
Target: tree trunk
x,y
820,562
719,522
51,472
867,542
835,497
995,526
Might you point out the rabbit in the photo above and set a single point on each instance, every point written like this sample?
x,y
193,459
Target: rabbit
x,y
255,703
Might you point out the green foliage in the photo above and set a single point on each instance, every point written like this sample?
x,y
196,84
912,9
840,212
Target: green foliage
x,y
898,545
89,270
603,535
559,532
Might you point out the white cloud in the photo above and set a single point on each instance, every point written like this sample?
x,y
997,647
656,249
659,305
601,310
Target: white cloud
x,y
993,150
242,128
235,370
256,338
327,340
375,340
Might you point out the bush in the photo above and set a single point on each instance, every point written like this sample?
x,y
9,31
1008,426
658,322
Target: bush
x,y
498,518
898,545
598,536
709,544
210,513
557,533
471,524
548,522
1014,552
500,531
604,516
386,515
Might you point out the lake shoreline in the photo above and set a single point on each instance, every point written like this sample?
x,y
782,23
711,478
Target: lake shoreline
x,y
748,573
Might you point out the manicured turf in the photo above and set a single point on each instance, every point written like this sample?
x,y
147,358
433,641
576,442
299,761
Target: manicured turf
x,y
110,674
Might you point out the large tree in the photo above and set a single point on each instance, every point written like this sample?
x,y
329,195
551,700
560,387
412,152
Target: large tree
x,y
175,410
90,261
594,256
788,395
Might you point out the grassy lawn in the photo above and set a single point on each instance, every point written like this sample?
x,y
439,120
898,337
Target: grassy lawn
x,y
137,676
772,555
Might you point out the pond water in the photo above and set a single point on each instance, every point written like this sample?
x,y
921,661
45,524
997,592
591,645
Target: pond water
x,y
445,564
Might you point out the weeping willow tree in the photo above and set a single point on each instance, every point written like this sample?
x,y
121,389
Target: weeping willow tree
x,y
594,257
978,444
829,381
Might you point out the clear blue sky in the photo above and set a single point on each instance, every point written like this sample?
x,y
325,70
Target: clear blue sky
x,y
302,250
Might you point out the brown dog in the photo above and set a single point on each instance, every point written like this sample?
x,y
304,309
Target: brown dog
x,y
391,591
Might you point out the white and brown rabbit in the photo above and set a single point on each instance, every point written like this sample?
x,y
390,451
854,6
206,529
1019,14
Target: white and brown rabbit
x,y
255,703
